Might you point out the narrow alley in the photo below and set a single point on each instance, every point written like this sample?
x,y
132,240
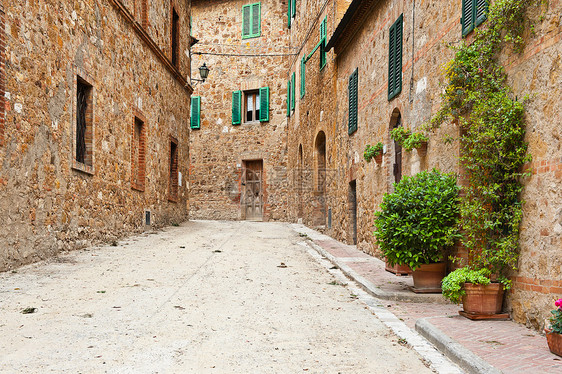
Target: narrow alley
x,y
204,297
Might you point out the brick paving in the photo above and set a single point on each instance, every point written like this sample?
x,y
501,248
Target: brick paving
x,y
506,345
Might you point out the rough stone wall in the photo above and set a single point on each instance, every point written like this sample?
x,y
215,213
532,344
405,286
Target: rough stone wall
x,y
313,116
48,201
536,72
218,150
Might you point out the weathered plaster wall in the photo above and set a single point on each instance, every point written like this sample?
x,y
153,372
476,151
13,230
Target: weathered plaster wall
x,y
219,148
47,205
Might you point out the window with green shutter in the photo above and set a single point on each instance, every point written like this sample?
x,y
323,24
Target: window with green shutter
x,y
264,104
251,21
395,58
291,11
353,99
196,112
473,14
323,34
303,77
289,98
293,79
236,107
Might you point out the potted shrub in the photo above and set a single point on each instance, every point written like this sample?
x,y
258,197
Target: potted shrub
x,y
554,332
474,288
417,223
374,151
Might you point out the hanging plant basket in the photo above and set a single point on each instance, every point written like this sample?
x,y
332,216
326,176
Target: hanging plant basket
x,y
422,149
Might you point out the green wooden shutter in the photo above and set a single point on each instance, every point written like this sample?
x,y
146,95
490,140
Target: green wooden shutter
x,y
293,79
288,98
353,99
251,21
236,107
256,20
289,13
196,112
246,21
293,8
264,104
480,11
323,34
467,19
395,58
303,77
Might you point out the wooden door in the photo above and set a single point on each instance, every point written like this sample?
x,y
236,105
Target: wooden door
x,y
252,185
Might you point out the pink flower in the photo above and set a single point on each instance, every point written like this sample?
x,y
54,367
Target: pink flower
x,y
558,303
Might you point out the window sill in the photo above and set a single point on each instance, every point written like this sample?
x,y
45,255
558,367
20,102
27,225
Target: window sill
x,y
137,187
172,199
86,169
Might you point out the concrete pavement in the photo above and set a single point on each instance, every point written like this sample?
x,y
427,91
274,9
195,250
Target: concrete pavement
x,y
205,297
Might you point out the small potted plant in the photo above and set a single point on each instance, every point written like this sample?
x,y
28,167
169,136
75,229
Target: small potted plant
x,y
476,291
400,134
418,141
417,223
554,332
373,151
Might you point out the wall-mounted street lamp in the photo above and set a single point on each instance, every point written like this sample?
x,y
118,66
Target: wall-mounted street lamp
x,y
203,73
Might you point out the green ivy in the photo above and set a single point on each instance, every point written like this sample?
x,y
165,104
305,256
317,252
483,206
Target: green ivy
x,y
419,220
493,150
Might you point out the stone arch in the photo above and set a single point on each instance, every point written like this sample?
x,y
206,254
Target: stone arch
x,y
320,180
396,148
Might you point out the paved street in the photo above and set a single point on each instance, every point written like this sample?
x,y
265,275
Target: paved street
x,y
205,297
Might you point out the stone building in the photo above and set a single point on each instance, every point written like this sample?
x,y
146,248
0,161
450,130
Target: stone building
x,y
238,149
324,138
335,80
94,117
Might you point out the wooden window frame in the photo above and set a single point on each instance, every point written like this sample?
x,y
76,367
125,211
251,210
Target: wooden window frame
x,y
138,152
174,36
255,112
173,168
87,165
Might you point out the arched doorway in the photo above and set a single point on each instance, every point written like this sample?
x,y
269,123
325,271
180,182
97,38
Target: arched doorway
x,y
320,185
300,178
396,121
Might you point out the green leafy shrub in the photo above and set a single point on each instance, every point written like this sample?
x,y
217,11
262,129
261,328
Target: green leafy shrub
x,y
372,151
415,140
399,134
419,220
452,284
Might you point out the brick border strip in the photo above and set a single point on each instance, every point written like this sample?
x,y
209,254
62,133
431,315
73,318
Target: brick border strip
x,y
454,351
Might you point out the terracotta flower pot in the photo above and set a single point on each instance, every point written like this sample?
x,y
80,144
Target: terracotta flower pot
x,y
483,299
422,149
398,269
378,159
427,278
554,341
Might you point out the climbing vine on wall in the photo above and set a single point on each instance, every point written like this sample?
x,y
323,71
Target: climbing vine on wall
x,y
493,150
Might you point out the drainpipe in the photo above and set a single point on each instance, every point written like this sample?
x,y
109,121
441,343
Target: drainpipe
x,y
411,98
